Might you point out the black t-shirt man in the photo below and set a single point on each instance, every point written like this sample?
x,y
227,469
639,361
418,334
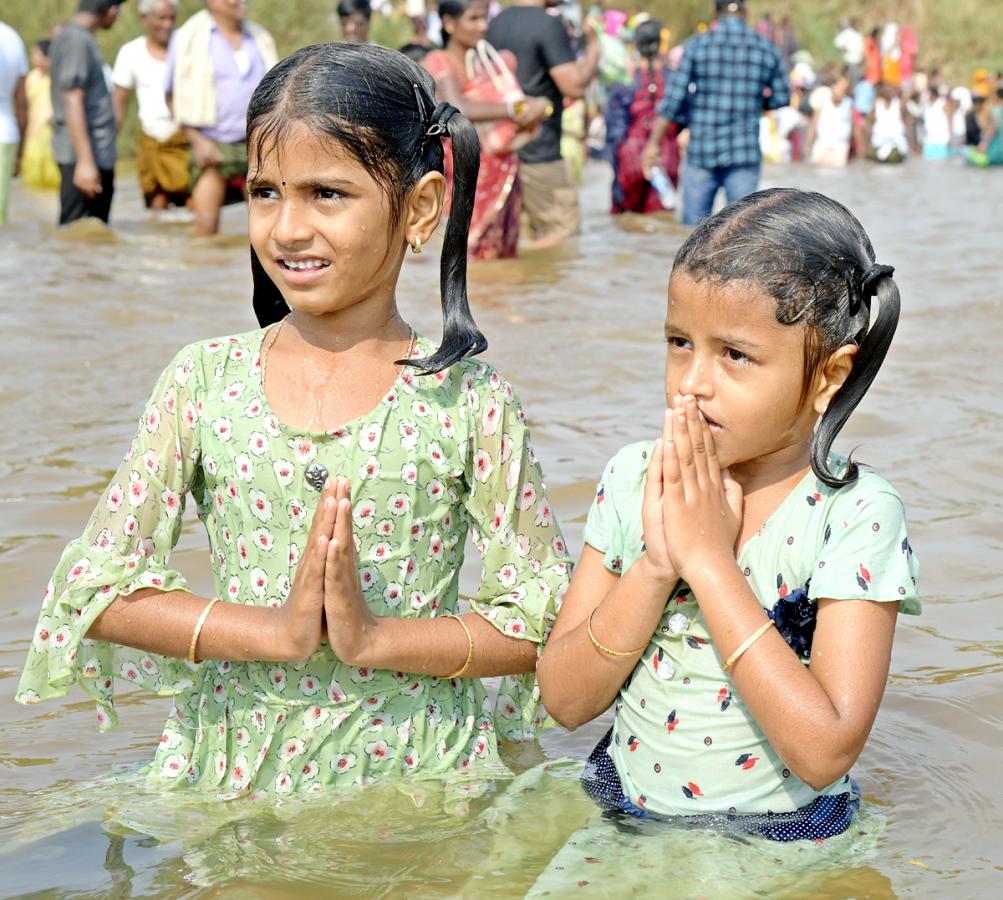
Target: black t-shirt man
x,y
539,43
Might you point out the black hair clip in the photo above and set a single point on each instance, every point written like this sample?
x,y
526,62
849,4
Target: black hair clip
x,y
869,284
422,114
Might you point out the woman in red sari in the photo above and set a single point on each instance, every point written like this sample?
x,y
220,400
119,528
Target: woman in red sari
x,y
494,229
630,114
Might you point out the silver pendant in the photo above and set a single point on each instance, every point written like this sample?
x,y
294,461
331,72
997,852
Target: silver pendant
x,y
315,476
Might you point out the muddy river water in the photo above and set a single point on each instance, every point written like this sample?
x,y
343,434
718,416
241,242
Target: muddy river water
x,y
89,319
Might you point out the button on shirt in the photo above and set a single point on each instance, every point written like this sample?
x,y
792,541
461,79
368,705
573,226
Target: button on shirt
x,y
718,93
237,74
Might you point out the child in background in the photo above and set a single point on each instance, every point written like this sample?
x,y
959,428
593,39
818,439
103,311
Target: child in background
x,y
338,461
832,127
38,165
738,592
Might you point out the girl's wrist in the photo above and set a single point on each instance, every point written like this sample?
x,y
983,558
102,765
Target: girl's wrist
x,y
662,577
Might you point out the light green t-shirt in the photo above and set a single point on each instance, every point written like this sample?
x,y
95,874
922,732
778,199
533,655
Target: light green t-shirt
x,y
683,741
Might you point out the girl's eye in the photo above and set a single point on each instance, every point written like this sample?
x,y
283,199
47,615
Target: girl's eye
x,y
328,194
737,356
678,343
264,193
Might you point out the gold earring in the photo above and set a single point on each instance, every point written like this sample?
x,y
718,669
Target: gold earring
x,y
416,246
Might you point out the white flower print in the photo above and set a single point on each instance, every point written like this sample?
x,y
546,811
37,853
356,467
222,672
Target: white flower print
x,y
152,420
243,467
315,716
223,428
559,546
433,712
303,449
381,721
297,514
310,770
512,476
385,527
261,506
435,548
105,541
271,426
446,427
115,498
435,490
490,416
381,551
420,408
411,758
240,774
507,575
277,677
188,414
339,720
527,496
291,748
436,455
361,674
367,577
507,706
345,761
259,582
130,672
151,462
409,473
544,515
515,627
172,503
242,737
258,443
138,489
369,437
412,689
483,467
309,685
373,704
417,600
173,765
294,554
259,717
399,504
78,570
417,530
334,692
233,391
392,594
262,538
377,751
408,569
283,585
364,513
506,448
233,589
370,468
243,556
480,746
283,783
237,353
253,409
409,433
284,472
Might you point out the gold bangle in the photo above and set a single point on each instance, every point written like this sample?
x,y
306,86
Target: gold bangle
x,y
198,629
470,648
604,649
746,644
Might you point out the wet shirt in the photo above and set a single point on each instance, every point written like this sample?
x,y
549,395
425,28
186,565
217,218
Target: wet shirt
x,y
683,741
718,93
440,456
77,65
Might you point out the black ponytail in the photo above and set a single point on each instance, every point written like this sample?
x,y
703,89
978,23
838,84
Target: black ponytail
x,y
873,349
378,106
813,257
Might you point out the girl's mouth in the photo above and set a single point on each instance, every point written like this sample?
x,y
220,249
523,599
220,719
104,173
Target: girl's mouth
x,y
303,271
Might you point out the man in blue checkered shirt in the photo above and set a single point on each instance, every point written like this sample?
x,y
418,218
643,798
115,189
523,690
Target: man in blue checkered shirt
x,y
725,79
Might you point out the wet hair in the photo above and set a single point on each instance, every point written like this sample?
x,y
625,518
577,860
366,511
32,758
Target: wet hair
x,y
377,106
813,257
348,8
648,39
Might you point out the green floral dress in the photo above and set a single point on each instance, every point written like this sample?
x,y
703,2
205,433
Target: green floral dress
x,y
439,456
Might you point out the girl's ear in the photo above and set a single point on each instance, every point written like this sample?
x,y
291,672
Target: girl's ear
x,y
836,370
424,208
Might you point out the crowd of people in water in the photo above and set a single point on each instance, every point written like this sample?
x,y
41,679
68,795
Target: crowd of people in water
x,y
548,85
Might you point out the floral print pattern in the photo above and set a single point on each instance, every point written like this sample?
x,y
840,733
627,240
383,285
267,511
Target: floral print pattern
x,y
440,456
683,742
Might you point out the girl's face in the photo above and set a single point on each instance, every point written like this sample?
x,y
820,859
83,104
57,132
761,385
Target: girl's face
x,y
320,224
726,348
471,26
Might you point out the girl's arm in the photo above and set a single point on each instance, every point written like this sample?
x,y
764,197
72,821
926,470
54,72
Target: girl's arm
x,y
812,129
577,680
816,719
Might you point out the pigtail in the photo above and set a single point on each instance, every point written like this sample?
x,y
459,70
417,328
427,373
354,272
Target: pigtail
x,y
871,355
460,334
269,305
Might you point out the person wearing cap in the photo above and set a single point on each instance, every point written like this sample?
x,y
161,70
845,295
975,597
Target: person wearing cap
x,y
83,116
726,77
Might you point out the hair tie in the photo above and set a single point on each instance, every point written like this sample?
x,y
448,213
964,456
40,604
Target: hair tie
x,y
441,115
869,284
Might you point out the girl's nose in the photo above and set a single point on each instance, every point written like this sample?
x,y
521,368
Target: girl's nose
x,y
291,226
696,379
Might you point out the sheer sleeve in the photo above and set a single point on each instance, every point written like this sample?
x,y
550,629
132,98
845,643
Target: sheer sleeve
x,y
125,547
526,566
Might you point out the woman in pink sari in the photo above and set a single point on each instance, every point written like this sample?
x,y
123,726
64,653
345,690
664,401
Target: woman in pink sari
x,y
494,229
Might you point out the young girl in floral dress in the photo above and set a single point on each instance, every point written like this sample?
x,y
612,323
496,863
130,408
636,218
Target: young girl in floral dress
x,y
338,461
739,587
